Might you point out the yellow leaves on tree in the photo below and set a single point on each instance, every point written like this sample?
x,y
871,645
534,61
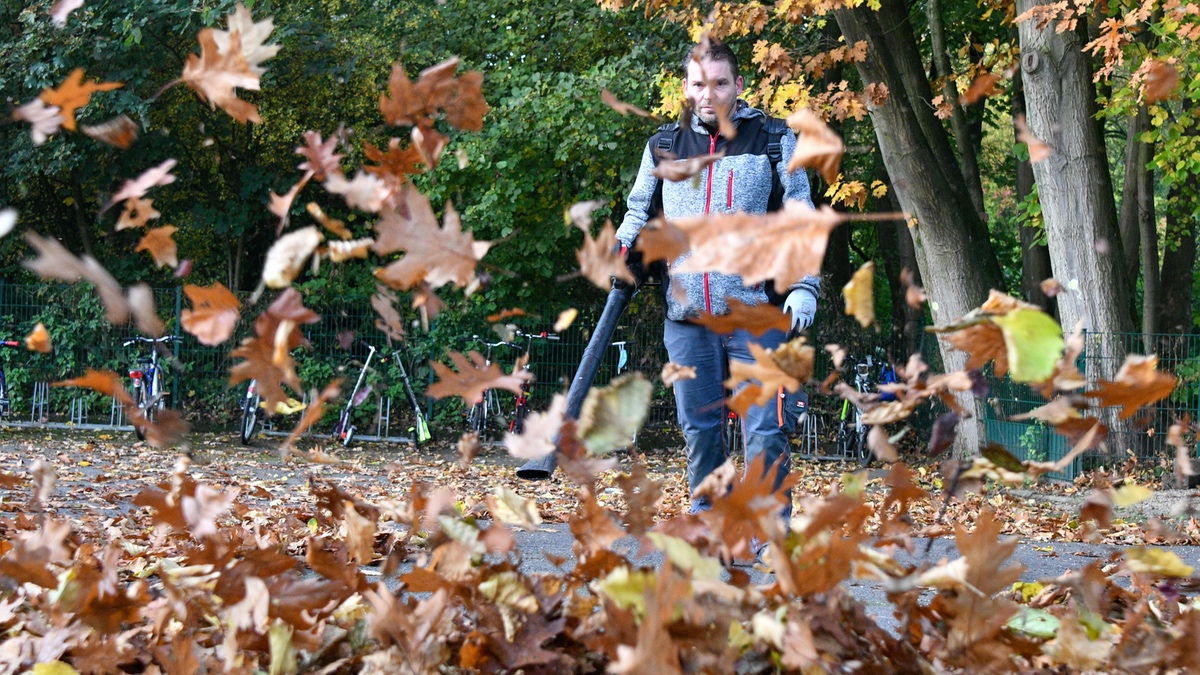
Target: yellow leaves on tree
x,y
213,314
73,94
474,376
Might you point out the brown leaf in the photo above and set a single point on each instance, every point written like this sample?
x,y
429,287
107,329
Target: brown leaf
x,y
1050,287
389,321
1038,150
322,160
673,372
201,509
434,256
881,447
859,293
677,170
119,132
1183,455
337,227
159,175
600,259
137,213
817,146
287,256
55,262
103,381
268,358
160,245
984,85
536,440
214,75
396,163
436,89
765,372
1161,81
643,496
1138,383
611,101
312,414
505,314
140,299
342,251
914,295
662,240
468,448
474,376
281,205
365,192
38,340
983,343
73,94
429,144
757,319
213,314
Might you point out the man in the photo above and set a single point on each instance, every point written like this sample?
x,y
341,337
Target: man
x,y
744,179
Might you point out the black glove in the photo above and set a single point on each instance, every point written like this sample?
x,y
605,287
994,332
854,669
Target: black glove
x,y
635,264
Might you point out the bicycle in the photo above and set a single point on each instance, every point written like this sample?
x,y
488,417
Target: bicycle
x,y
148,394
5,404
852,433
251,406
344,429
517,424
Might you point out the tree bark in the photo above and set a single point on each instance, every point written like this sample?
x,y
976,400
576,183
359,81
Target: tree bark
x,y
1073,183
954,254
1127,221
1179,263
1035,256
968,160
1148,231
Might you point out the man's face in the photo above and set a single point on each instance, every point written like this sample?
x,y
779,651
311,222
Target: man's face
x,y
710,86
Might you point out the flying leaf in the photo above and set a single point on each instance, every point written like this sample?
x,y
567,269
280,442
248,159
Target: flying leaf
x,y
1038,150
213,314
214,75
512,509
468,448
140,299
429,144
914,295
1161,81
817,146
859,293
600,259
55,262
1138,383
565,319
541,429
764,372
1033,341
322,160
137,213
341,251
383,302
611,101
756,319
119,132
73,94
611,415
45,120
365,192
1129,494
983,86
38,340
673,372
677,170
8,220
281,205
474,376
103,381
267,357
436,89
337,227
662,240
397,163
435,256
251,37
286,257
159,175
881,447
312,414
60,10
580,213
160,245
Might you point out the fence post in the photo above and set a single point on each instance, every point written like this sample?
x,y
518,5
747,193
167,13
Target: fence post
x,y
175,402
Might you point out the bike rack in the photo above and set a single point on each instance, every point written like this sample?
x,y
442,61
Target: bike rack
x,y
79,410
116,414
39,409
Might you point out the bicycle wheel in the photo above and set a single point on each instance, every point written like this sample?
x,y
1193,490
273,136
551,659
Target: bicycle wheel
x,y
865,456
249,417
477,418
139,403
518,421
155,395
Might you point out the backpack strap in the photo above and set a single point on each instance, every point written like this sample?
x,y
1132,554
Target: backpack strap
x,y
664,140
775,129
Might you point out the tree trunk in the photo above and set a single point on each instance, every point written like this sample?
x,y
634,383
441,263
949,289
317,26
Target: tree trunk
x,y
81,221
953,251
1148,232
1035,256
1073,183
1127,222
968,160
1179,263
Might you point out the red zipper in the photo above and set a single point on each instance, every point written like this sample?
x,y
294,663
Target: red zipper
x,y
729,192
712,148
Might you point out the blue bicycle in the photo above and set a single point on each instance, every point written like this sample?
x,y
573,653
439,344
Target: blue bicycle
x,y
149,394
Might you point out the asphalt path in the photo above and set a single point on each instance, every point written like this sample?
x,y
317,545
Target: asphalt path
x,y
1041,561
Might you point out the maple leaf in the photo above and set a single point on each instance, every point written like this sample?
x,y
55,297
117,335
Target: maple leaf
x,y
677,170
215,74
473,377
44,120
435,256
213,314
1038,150
38,340
537,438
1161,81
322,160
159,175
119,132
817,146
611,101
137,213
600,259
396,163
160,245
73,94
252,38
286,257
859,293
365,192
756,319
1138,383
983,85
60,10
281,205
673,372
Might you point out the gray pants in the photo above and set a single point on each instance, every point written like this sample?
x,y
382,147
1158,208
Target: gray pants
x,y
701,404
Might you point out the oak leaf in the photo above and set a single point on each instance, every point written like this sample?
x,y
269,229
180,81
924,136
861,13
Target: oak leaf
x,y
677,170
137,213
756,319
436,256
213,314
137,187
859,293
267,356
251,36
38,340
119,132
73,94
45,120
140,299
600,259
322,160
286,257
214,75
473,377
817,146
160,245
983,343
436,89
1138,383
397,162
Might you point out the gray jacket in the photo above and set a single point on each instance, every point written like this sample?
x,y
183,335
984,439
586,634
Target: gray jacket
x,y
739,181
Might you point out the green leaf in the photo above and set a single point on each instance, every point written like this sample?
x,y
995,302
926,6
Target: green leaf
x,y
627,588
1034,341
1033,622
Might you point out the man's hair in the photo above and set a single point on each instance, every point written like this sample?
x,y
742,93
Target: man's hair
x,y
717,51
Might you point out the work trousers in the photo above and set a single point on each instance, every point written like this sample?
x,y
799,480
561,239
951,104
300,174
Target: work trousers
x,y
700,403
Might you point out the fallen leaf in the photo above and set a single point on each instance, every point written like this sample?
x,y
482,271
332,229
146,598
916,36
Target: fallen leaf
x,y
1050,287
1130,494
468,448
1033,342
38,340
817,146
312,414
103,381
512,509
662,240
160,245
881,447
73,94
859,293
397,163
765,372
436,89
383,301
8,220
